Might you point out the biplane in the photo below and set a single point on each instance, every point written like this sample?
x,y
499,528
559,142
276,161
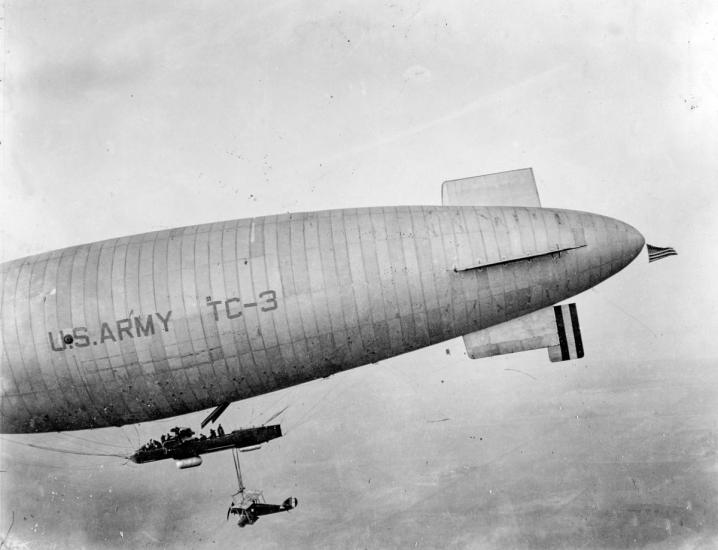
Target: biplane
x,y
249,504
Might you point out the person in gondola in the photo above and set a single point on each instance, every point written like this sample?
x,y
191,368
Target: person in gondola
x,y
212,433
220,430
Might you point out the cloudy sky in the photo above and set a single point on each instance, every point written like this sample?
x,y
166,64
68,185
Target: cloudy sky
x,y
125,117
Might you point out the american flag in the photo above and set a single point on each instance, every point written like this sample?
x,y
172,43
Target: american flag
x,y
658,253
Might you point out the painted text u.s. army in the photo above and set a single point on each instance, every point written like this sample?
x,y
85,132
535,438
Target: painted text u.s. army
x,y
137,326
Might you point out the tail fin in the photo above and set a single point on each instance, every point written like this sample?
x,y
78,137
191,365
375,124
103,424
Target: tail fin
x,y
555,328
512,188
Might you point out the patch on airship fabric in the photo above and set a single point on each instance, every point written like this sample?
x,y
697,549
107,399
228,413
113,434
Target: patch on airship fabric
x,y
570,344
658,253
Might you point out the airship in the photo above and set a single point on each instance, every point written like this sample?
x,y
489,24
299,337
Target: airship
x,y
159,324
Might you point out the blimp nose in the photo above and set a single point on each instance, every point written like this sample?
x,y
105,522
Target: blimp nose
x,y
614,243
634,241
627,242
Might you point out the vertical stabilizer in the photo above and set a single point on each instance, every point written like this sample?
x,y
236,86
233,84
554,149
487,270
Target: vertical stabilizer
x,y
512,188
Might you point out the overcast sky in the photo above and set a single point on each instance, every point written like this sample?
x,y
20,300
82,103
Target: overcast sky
x,y
125,117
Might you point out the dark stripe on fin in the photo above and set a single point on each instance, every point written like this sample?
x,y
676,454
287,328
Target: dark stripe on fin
x,y
576,330
561,333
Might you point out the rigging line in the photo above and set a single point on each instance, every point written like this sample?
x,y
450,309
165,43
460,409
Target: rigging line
x,y
139,439
65,467
91,440
41,465
276,402
619,308
56,450
304,418
2,543
288,397
275,415
324,398
122,429
234,459
99,444
522,372
238,471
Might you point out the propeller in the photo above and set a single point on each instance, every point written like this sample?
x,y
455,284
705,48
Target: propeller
x,y
230,509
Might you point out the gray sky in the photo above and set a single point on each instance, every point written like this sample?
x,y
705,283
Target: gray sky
x,y
124,117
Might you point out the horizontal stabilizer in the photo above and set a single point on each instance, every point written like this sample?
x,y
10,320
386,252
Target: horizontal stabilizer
x,y
555,328
512,188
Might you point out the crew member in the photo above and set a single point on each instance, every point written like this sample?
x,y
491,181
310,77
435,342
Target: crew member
x,y
220,430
